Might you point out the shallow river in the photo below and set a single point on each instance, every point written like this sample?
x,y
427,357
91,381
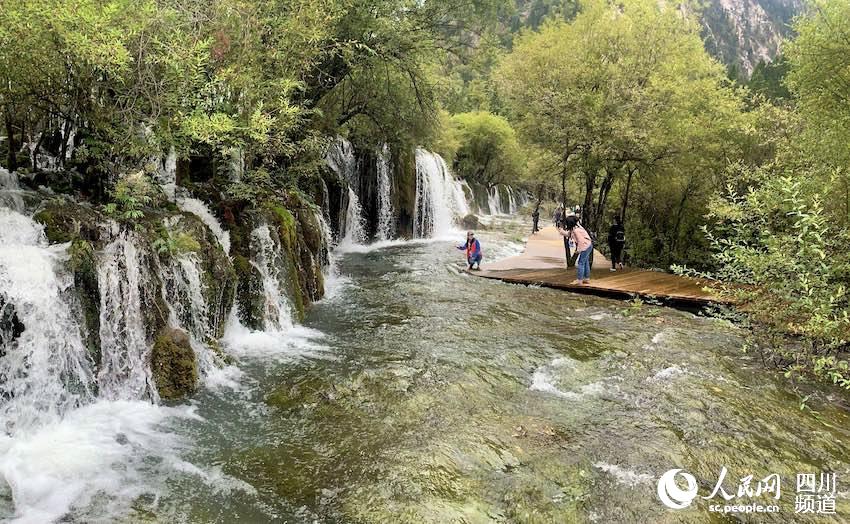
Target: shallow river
x,y
415,393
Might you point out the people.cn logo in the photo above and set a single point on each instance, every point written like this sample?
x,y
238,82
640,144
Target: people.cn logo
x,y
671,494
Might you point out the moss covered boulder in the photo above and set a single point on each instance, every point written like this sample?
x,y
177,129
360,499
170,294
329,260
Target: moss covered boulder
x,y
471,222
175,370
65,220
404,189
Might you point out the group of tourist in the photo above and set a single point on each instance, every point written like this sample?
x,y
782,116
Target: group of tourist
x,y
575,235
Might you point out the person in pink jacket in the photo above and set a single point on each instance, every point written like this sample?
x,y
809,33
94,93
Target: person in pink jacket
x,y
584,247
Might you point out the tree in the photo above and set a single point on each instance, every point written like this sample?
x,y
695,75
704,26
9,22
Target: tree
x,y
487,150
620,91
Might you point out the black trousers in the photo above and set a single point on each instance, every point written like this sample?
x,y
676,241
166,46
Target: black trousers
x,y
616,254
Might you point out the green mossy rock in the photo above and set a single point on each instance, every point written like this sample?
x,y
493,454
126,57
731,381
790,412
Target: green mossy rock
x,y
404,193
83,264
471,222
175,371
249,292
65,220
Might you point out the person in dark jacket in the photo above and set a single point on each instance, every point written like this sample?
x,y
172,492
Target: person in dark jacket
x,y
473,250
558,216
535,219
616,242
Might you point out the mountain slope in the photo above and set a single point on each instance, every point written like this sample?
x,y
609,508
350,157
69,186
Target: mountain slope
x,y
742,33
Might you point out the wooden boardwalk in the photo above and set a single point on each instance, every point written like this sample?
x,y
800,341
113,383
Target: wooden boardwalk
x,y
542,263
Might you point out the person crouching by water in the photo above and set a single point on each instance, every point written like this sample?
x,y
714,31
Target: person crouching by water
x,y
473,250
584,247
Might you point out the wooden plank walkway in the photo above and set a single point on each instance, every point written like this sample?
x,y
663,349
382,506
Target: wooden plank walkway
x,y
542,263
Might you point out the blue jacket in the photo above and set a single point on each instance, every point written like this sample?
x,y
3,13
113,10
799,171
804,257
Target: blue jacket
x,y
471,250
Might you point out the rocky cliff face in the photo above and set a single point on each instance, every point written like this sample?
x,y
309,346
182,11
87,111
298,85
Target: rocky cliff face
x,y
742,33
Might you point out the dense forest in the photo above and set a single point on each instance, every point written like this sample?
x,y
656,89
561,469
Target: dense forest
x,y
617,107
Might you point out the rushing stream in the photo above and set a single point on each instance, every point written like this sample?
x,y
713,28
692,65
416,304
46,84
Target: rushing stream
x,y
413,393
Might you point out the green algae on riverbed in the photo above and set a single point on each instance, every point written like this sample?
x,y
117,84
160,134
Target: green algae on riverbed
x,y
431,396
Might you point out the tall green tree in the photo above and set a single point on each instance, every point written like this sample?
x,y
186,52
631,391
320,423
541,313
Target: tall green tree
x,y
619,92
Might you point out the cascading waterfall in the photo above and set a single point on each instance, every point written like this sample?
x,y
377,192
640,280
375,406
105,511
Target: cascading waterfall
x,y
512,207
277,311
166,173
125,353
385,210
46,369
353,231
341,159
183,292
11,195
203,212
439,197
494,201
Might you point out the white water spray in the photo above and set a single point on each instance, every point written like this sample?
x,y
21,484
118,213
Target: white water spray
x,y
385,209
494,201
203,212
11,195
125,372
46,370
277,311
439,197
353,231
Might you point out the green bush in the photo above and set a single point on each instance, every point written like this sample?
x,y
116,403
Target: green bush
x,y
785,260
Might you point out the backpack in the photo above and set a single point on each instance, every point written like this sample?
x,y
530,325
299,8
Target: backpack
x,y
620,236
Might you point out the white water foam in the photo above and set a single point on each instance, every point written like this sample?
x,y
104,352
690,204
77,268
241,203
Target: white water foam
x,y
101,451
46,370
298,341
668,373
625,476
543,380
184,293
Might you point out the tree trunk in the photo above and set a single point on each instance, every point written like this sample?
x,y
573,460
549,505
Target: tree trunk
x,y
604,190
12,155
587,212
674,239
625,207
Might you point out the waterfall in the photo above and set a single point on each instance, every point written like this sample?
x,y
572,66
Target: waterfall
x,y
512,207
45,367
277,312
352,227
385,210
341,159
183,292
439,197
166,173
125,372
494,201
10,191
203,212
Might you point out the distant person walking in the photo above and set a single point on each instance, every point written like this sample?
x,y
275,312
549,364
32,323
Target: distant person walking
x,y
584,247
473,250
616,242
558,216
535,219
